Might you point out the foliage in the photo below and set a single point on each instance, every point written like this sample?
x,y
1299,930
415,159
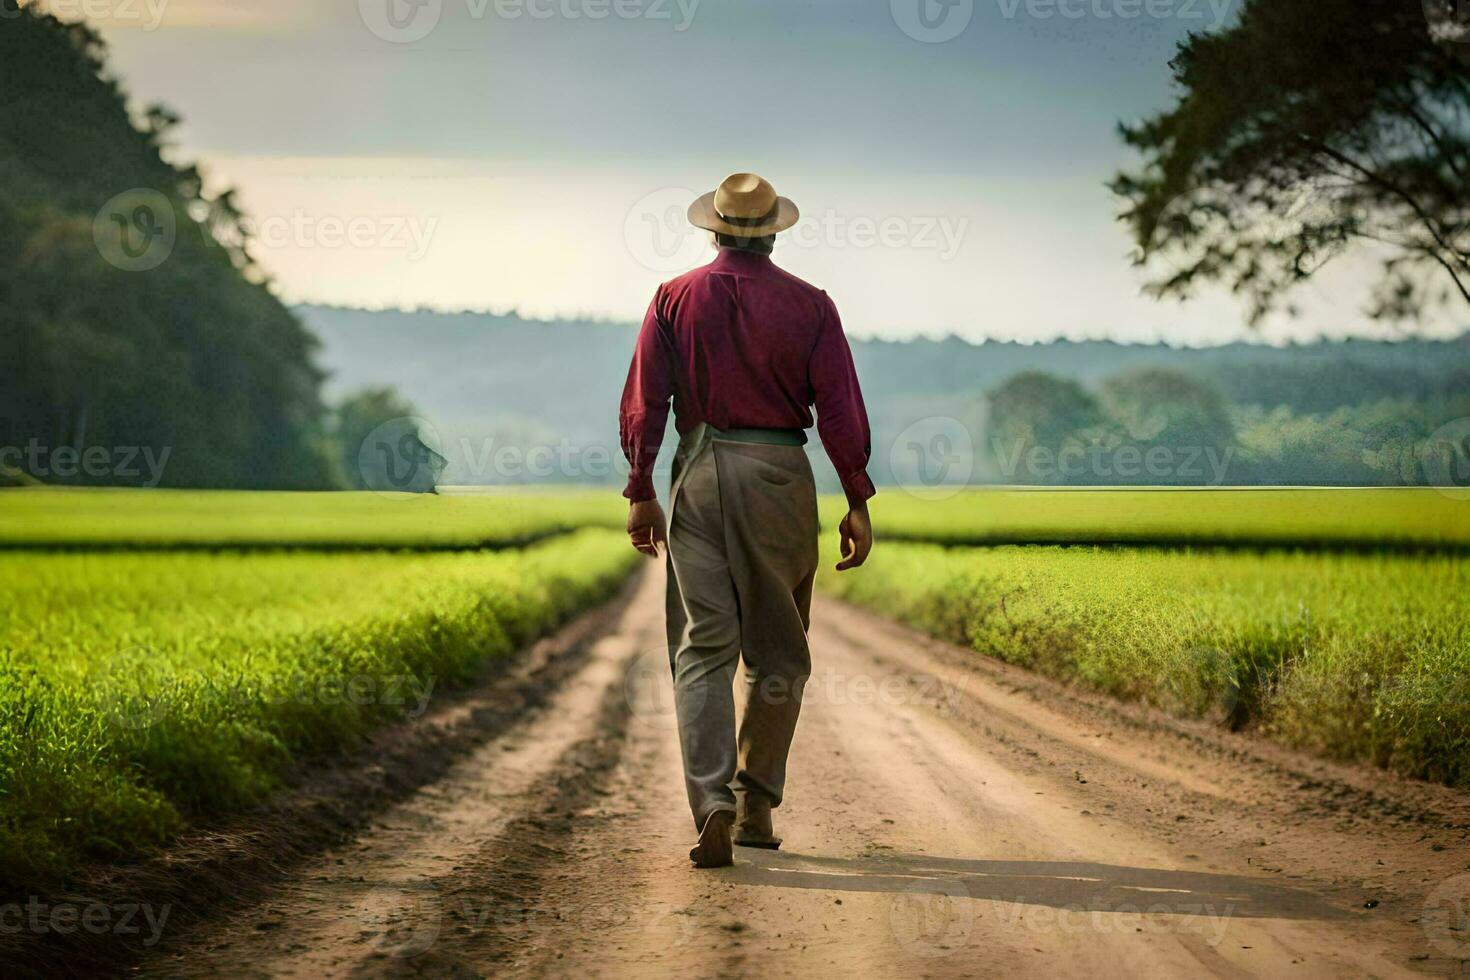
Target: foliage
x,y
381,444
1313,387
140,690
1356,657
1168,408
194,356
1382,444
1041,409
1160,426
1306,129
481,379
1035,409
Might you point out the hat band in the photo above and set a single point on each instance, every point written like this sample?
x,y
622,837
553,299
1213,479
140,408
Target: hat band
x,y
751,222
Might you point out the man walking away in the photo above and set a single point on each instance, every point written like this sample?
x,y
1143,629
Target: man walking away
x,y
744,350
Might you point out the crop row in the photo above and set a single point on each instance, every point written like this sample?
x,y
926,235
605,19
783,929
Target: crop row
x,y
140,690
1363,518
1413,518
1361,657
94,518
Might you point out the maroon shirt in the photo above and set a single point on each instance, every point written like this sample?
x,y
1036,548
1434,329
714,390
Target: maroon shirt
x,y
739,344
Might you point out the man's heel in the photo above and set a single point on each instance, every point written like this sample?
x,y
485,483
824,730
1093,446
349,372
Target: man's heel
x,y
714,849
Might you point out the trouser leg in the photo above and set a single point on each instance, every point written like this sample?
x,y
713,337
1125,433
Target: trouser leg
x,y
771,543
704,640
777,667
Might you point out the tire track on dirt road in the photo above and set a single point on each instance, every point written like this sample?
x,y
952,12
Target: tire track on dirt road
x,y
946,816
390,901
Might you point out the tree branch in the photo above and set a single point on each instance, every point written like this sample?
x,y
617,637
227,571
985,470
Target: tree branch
x,y
1394,189
1422,249
1433,134
1459,284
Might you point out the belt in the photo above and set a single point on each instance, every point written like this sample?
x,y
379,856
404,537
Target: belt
x,y
769,437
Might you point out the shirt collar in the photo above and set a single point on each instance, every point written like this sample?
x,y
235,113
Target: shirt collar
x,y
738,260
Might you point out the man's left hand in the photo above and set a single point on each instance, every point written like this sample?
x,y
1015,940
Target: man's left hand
x,y
856,533
646,527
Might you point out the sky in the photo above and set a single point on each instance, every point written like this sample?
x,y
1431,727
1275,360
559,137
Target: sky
x,y
949,157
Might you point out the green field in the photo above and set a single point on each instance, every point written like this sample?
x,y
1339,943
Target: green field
x,y
1360,657
80,518
1370,518
167,656
138,691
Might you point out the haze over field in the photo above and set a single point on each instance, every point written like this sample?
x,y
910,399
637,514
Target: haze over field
x,y
1307,414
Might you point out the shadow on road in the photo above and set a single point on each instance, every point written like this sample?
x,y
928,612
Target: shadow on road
x,y
1058,884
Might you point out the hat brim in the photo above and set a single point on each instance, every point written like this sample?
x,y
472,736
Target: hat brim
x,y
702,214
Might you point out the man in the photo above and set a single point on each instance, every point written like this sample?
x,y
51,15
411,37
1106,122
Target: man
x,y
744,350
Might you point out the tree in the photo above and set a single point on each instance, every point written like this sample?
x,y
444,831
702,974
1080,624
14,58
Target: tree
x,y
1037,411
1161,407
382,444
186,355
1309,129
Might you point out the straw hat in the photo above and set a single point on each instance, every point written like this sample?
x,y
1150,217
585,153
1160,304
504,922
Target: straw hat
x,y
745,206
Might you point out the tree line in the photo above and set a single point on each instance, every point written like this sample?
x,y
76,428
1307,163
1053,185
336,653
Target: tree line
x,y
1167,427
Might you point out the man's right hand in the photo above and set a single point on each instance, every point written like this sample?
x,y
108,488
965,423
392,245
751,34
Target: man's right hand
x,y
857,538
646,526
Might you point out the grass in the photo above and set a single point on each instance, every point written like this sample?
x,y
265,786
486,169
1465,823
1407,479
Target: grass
x,y
1359,518
1358,657
141,690
1346,518
54,517
170,655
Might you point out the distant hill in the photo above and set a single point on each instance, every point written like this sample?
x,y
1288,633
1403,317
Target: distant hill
x,y
491,382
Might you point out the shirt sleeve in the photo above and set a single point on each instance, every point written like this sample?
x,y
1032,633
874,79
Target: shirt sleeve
x,y
842,421
645,405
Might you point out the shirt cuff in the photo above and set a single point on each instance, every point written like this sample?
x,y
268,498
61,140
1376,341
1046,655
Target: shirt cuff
x,y
640,488
858,488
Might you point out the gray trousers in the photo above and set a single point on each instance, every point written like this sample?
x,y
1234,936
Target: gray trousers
x,y
742,557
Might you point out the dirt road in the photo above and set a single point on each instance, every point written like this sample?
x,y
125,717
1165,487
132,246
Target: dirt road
x,y
946,816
